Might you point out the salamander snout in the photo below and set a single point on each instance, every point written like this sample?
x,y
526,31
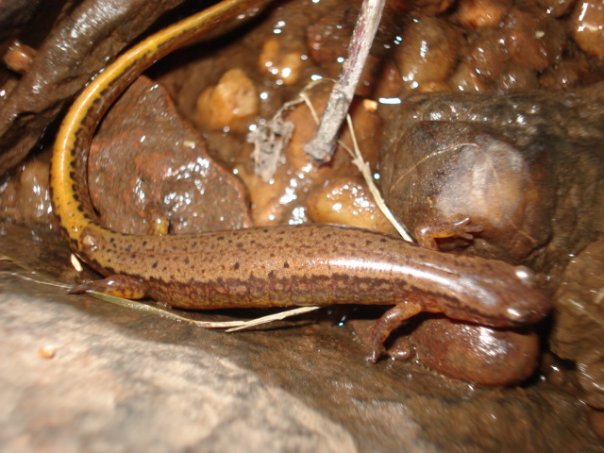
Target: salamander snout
x,y
525,275
530,304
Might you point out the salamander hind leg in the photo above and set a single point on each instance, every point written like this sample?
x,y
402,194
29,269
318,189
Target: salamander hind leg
x,y
388,323
115,285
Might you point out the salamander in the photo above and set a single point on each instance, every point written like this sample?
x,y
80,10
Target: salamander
x,y
268,267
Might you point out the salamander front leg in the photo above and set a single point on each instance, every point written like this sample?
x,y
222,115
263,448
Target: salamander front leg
x,y
427,236
389,322
116,285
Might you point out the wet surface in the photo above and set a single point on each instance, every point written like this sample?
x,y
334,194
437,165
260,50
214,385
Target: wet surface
x,y
172,183
83,39
503,162
300,385
89,374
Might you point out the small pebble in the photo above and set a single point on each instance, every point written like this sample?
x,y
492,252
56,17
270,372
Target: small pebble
x,y
47,351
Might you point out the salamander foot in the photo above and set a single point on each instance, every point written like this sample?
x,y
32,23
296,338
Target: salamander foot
x,y
389,322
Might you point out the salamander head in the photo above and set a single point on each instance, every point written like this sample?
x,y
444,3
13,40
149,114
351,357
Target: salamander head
x,y
502,295
532,305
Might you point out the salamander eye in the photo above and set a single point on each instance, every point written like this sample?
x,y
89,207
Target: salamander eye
x,y
525,275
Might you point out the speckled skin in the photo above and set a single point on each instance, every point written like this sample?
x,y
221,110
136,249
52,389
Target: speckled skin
x,y
281,266
313,265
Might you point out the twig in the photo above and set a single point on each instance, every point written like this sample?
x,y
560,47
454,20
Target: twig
x,y
321,148
365,169
274,317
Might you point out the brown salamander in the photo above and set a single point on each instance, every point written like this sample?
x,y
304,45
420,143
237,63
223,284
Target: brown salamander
x,y
268,267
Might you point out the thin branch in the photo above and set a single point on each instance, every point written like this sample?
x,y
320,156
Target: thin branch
x,y
273,317
321,148
365,169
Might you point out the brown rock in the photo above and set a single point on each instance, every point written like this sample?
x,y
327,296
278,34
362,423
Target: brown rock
x,y
578,332
587,24
77,47
230,104
481,13
532,206
148,166
475,354
429,52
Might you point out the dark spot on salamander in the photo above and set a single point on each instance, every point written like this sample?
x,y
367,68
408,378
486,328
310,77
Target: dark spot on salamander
x,y
154,265
220,238
286,265
236,266
187,260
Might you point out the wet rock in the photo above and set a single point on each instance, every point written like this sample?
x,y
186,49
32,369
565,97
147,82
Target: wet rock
x,y
15,14
587,25
230,104
100,388
25,193
481,13
444,172
472,353
578,330
148,167
534,40
345,201
476,353
556,8
428,53
279,62
78,46
506,163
